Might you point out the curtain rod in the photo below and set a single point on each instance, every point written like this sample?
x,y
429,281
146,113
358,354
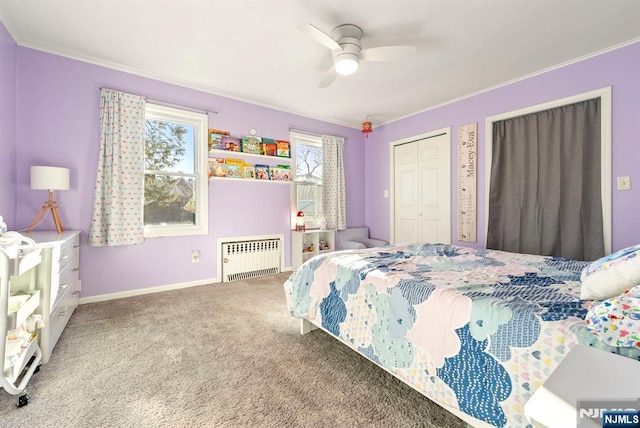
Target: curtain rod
x,y
170,104
315,134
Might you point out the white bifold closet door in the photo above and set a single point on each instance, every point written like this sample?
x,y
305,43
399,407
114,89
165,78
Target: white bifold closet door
x,y
422,190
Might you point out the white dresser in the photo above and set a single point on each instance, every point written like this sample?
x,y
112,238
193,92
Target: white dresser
x,y
59,281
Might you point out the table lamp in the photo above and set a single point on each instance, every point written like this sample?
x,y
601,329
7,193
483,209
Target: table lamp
x,y
49,178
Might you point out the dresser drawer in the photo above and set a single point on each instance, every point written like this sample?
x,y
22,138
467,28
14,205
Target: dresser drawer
x,y
65,268
68,275
62,312
69,253
68,280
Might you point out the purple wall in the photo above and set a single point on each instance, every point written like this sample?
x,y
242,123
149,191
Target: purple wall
x,y
619,69
59,125
8,131
51,117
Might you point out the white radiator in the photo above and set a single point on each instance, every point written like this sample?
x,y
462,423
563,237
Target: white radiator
x,y
250,258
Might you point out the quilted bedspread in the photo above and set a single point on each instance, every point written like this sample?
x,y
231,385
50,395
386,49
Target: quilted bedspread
x,y
477,330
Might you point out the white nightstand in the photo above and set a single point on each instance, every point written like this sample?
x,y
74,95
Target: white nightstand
x,y
585,373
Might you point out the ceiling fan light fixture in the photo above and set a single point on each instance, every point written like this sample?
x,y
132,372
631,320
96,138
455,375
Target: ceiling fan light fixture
x,y
346,64
346,48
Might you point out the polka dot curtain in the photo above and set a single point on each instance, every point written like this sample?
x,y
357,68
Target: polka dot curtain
x,y
333,185
117,208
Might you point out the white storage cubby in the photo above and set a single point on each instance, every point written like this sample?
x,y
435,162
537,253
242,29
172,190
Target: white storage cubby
x,y
305,245
19,299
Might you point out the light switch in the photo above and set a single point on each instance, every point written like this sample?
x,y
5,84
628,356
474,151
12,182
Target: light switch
x,y
624,183
386,193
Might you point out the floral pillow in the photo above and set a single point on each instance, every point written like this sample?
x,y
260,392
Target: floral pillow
x,y
616,321
611,275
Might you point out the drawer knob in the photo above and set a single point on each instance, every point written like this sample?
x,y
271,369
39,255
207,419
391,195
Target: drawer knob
x,y
76,246
62,314
76,269
65,257
63,286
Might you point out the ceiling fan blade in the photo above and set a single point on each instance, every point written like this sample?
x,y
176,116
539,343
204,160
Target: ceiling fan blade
x,y
388,53
319,36
328,78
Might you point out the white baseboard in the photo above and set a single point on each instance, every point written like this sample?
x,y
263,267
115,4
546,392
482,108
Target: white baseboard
x,y
149,290
141,291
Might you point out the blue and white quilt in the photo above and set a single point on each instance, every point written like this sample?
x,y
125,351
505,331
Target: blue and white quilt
x,y
477,330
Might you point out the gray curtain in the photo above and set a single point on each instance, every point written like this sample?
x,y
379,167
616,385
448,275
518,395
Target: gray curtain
x,y
545,193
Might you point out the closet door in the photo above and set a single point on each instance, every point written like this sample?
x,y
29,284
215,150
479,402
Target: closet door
x,y
422,190
407,206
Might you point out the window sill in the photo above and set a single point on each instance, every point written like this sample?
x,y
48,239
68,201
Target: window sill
x,y
171,231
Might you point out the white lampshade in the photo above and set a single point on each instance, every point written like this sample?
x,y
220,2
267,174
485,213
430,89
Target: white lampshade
x,y
49,178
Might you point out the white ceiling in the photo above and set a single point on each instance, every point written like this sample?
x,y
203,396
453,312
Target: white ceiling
x,y
252,50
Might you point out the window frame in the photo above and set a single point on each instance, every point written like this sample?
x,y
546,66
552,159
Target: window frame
x,y
311,140
200,123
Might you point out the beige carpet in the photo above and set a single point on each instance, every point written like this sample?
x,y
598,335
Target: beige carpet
x,y
220,355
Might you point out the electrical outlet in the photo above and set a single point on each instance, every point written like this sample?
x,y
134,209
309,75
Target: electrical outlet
x,y
195,256
624,183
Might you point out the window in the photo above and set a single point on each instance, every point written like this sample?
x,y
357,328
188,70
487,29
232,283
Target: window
x,y
175,175
307,160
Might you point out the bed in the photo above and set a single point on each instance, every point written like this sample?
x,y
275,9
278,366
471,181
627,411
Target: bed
x,y
475,330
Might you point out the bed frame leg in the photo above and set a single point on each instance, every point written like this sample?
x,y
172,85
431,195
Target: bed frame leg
x,y
306,326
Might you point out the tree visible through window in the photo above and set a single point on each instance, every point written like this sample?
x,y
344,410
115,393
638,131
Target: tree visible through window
x,y
173,171
167,196
308,162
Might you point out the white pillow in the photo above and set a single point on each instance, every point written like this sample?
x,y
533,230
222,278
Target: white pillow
x,y
611,275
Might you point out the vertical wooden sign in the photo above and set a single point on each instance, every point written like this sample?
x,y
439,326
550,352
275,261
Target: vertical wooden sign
x,y
467,182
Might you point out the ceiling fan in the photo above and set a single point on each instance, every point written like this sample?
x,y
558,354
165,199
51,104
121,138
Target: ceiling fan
x,y
347,51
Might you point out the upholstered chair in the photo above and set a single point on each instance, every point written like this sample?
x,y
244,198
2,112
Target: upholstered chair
x,y
354,238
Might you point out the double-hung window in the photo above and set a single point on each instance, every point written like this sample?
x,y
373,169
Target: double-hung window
x,y
307,159
175,172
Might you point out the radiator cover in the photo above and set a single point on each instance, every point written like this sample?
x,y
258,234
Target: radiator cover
x,y
244,259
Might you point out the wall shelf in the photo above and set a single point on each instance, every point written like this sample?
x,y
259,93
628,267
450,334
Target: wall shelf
x,y
223,172
250,180
231,154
